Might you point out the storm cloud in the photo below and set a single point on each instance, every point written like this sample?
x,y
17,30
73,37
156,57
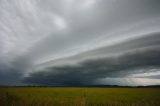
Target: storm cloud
x,y
78,42
88,71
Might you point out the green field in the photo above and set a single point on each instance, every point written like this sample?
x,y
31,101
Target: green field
x,y
70,96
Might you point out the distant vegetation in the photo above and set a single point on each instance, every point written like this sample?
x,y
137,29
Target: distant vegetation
x,y
79,96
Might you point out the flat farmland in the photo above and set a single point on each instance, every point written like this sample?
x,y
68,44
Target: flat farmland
x,y
79,96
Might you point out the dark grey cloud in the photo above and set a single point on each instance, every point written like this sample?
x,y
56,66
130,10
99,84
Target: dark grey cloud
x,y
9,75
134,56
88,71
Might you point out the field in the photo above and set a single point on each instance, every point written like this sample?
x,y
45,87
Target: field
x,y
72,96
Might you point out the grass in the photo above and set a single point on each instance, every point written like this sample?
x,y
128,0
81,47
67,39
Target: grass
x,y
70,96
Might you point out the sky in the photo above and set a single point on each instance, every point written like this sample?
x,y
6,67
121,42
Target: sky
x,y
80,42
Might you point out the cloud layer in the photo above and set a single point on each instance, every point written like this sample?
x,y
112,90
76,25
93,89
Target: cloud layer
x,y
73,42
89,70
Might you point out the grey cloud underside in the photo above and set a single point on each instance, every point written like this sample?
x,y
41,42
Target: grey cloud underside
x,y
89,71
127,58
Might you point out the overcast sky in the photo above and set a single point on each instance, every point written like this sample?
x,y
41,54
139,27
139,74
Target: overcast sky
x,y
79,42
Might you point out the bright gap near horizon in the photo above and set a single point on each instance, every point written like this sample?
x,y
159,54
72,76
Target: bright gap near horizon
x,y
79,42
